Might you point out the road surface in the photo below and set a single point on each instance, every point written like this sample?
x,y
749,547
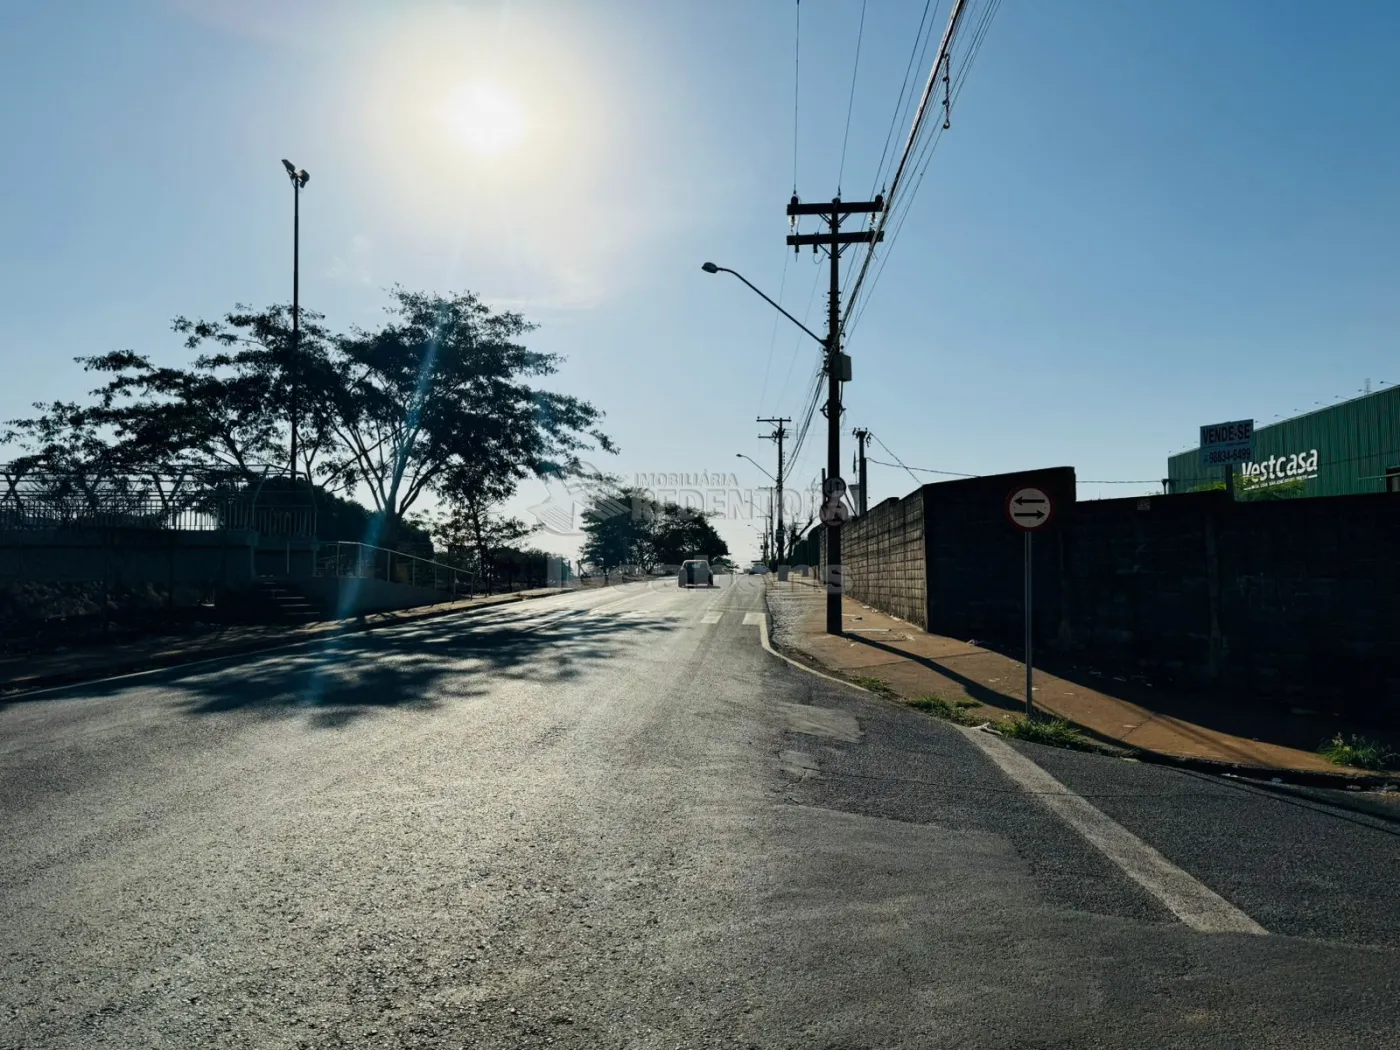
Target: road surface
x,y
611,819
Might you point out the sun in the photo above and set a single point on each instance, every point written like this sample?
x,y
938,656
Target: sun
x,y
486,118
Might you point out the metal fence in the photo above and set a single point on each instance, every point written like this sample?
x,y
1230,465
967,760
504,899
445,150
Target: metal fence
x,y
179,500
347,559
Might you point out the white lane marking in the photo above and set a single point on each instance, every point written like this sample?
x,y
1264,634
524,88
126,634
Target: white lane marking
x,y
754,619
711,617
1195,904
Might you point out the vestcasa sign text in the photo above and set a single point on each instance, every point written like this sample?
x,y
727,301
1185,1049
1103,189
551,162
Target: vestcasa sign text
x,y
1299,466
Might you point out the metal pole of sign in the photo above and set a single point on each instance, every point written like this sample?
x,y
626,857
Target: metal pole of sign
x,y
1030,702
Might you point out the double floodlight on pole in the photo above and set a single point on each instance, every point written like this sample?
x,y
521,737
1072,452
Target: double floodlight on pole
x,y
299,179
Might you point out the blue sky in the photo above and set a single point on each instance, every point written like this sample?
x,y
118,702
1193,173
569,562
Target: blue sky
x,y
1145,216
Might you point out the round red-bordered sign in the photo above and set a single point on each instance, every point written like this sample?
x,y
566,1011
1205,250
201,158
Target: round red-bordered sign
x,y
1029,508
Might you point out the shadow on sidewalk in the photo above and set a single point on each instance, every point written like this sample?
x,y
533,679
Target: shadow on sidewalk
x,y
1211,708
978,691
420,667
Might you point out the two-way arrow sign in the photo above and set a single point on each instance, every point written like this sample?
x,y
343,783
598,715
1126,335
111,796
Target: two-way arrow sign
x,y
1029,508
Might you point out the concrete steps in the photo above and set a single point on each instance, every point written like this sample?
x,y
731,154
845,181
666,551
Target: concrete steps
x,y
280,602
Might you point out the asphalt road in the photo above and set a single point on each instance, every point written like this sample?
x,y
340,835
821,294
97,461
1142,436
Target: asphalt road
x,y
611,819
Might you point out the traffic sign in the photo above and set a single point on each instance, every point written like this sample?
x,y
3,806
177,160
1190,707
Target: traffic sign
x,y
1029,508
834,487
835,513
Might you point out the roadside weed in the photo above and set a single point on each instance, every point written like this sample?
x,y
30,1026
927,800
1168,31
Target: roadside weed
x,y
1056,733
1358,752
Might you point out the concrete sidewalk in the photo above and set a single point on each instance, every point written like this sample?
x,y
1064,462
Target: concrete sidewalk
x,y
81,663
913,663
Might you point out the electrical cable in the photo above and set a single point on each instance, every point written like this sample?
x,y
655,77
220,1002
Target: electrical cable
x,y
899,105
773,339
851,101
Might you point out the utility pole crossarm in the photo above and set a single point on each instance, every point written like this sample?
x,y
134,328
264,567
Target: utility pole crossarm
x,y
827,207
859,237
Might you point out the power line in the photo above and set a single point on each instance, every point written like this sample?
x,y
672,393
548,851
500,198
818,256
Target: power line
x,y
876,438
923,160
960,474
851,101
909,143
773,339
899,105
921,470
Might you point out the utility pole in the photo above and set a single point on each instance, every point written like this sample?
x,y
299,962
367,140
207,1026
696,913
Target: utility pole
x,y
838,370
861,434
778,434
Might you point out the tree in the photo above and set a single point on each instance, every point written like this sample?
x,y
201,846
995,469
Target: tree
x,y
616,526
628,526
226,413
472,535
678,533
437,398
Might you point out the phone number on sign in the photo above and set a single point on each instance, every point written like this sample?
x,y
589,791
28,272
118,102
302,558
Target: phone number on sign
x,y
1227,455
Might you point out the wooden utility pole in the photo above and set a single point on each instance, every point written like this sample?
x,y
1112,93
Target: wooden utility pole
x,y
778,434
838,371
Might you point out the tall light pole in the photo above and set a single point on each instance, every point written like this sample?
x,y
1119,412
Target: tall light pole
x,y
299,179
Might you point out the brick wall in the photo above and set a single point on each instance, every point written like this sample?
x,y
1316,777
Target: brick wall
x,y
883,558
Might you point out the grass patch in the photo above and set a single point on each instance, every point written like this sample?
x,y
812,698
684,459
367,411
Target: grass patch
x,y
1358,752
951,711
875,685
1056,733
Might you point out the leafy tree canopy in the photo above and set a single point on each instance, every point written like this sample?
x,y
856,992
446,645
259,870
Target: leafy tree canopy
x,y
628,526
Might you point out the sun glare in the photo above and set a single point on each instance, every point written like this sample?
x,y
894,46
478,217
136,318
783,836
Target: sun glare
x,y
487,119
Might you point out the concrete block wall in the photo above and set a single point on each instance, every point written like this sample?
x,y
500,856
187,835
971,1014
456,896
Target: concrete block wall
x,y
976,557
1295,601
883,558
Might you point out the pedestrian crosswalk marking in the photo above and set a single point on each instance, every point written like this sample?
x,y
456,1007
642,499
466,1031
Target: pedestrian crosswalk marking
x,y
753,619
711,617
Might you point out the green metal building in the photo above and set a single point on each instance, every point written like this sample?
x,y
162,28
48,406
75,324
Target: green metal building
x,y
1346,448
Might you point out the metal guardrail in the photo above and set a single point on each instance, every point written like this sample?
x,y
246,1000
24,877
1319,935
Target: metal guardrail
x,y
347,559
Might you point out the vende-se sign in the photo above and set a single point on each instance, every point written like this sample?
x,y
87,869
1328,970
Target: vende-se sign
x,y
1227,443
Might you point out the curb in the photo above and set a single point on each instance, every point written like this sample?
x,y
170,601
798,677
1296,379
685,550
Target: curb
x,y
19,688
1339,781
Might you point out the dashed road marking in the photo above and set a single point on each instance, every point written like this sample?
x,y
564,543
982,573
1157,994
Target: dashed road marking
x,y
711,617
1194,903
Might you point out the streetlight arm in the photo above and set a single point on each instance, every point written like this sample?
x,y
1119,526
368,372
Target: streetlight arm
x,y
770,477
712,268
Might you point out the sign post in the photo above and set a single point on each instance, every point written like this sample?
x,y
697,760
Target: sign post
x,y
1226,444
1029,509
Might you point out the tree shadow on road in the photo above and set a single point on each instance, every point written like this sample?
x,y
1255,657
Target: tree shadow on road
x,y
417,667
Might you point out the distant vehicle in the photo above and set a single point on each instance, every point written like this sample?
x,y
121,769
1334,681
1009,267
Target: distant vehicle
x,y
757,568
695,573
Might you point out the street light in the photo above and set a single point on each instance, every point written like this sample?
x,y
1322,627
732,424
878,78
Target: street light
x,y
740,455
299,179
710,267
770,477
